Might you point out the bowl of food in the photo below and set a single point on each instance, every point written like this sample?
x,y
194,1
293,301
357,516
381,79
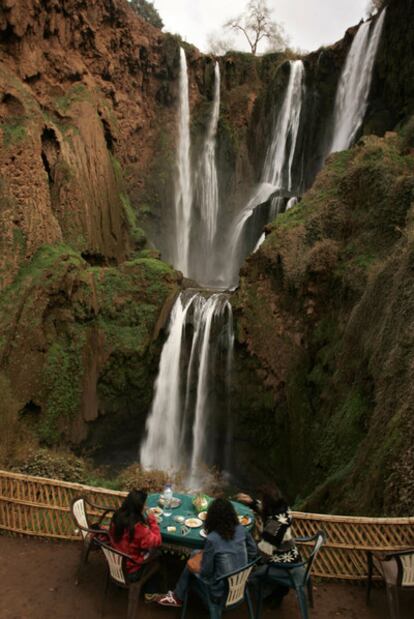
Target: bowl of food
x,y
202,515
179,519
245,520
175,502
200,502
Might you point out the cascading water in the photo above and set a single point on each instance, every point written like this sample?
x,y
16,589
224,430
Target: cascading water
x,y
183,189
199,346
354,84
277,169
209,198
159,449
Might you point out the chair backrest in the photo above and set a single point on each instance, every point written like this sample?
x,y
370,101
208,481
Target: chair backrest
x,y
407,564
237,585
115,562
79,515
320,539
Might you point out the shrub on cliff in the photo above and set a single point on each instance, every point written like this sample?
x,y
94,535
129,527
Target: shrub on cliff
x,y
147,11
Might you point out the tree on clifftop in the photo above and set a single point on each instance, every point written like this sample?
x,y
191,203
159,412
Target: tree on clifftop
x,y
147,11
256,24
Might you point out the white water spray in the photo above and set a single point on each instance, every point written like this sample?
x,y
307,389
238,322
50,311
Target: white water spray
x,y
354,84
183,187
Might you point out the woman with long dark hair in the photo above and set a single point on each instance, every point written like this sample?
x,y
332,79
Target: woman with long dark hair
x,y
228,547
276,545
134,532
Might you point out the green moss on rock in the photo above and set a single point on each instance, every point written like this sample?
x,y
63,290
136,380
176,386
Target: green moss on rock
x,y
76,335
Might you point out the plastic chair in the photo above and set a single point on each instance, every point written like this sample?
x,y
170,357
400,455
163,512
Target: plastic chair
x,y
117,573
294,575
236,592
397,570
89,530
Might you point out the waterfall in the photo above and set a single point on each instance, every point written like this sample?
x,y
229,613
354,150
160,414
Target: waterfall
x,y
354,84
159,449
196,356
277,168
209,197
183,186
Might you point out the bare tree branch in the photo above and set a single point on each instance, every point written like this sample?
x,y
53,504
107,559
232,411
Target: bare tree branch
x,y
256,24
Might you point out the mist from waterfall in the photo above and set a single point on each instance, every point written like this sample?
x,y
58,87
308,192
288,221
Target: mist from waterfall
x,y
354,84
183,184
277,169
198,349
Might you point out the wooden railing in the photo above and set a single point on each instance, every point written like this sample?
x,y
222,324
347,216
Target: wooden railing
x,y
41,507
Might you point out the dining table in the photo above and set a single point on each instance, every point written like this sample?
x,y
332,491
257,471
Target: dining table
x,y
185,539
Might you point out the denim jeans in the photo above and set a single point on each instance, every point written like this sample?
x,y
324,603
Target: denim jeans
x,y
184,583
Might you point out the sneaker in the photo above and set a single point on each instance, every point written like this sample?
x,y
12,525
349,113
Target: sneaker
x,y
151,597
167,599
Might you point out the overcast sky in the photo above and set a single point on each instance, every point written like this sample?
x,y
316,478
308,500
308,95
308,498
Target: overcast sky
x,y
309,23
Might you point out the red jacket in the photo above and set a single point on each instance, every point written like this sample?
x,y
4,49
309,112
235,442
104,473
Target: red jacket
x,y
146,536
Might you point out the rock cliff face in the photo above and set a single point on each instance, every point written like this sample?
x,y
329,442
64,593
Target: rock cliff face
x,y
81,305
325,307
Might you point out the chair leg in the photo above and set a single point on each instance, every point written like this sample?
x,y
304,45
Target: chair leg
x,y
393,601
259,601
369,577
215,611
184,607
105,594
302,602
82,562
249,604
134,591
310,591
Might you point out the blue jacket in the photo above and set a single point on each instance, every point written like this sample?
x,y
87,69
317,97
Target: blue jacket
x,y
222,556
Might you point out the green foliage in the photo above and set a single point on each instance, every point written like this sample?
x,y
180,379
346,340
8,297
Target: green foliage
x,y
62,378
19,240
147,11
137,233
13,133
54,465
116,165
77,92
293,217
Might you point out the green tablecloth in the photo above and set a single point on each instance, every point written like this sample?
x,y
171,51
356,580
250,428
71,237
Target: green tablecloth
x,y
193,539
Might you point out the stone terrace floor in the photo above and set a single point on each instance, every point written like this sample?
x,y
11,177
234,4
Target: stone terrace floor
x,y
37,582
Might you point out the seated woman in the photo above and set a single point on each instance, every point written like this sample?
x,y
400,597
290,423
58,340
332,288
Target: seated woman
x,y
276,545
228,547
133,532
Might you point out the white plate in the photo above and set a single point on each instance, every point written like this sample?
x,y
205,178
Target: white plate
x,y
193,523
245,520
203,533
